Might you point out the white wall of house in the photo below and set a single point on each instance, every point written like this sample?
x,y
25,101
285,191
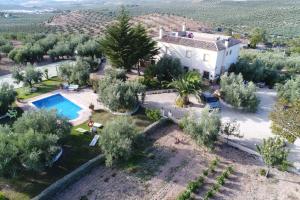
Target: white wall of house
x,y
201,59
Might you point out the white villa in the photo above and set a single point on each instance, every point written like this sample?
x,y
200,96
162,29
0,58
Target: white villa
x,y
210,54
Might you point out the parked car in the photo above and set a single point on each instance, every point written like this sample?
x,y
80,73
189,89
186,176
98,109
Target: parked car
x,y
209,99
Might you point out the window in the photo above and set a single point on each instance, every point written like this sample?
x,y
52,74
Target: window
x,y
230,52
188,54
205,57
186,69
226,53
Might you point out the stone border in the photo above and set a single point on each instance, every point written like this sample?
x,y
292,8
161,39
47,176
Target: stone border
x,y
125,113
230,106
160,91
70,178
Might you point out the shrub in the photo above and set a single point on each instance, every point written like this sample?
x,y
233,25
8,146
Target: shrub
x,y
221,180
28,77
262,172
7,97
205,172
77,73
118,95
273,152
3,197
166,69
184,195
116,140
238,94
153,114
32,142
289,91
204,130
192,186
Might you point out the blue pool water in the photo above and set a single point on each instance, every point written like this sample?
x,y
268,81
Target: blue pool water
x,y
62,105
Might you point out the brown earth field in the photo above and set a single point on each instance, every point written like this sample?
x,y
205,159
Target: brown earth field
x,y
175,164
94,23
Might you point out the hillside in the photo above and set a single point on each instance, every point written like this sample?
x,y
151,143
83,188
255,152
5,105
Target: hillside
x,y
94,23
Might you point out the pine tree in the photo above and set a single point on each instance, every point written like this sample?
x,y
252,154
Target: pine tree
x,y
144,47
118,42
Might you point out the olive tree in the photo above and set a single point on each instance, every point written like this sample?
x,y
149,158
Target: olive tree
x,y
7,97
289,91
119,95
9,153
28,77
237,93
116,140
204,130
77,73
274,153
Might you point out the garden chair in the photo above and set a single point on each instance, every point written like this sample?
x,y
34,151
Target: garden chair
x,y
73,87
94,140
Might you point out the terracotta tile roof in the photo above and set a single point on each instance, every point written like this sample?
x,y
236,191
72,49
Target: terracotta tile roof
x,y
202,44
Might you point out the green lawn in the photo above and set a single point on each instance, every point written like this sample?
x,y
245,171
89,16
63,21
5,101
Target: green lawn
x,y
76,152
42,88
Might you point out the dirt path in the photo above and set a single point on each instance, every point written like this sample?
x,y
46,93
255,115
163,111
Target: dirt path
x,y
186,161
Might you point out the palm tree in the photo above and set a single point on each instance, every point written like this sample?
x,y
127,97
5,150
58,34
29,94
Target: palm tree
x,y
187,84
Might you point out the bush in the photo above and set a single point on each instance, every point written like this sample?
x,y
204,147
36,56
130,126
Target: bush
x,y
32,142
153,114
238,94
7,97
289,91
204,130
28,77
273,152
262,172
116,140
77,73
118,95
3,197
184,195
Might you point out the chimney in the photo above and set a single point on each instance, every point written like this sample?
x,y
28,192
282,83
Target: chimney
x,y
161,32
183,27
227,43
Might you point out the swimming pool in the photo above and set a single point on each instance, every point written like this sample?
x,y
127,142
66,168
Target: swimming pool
x,y
62,105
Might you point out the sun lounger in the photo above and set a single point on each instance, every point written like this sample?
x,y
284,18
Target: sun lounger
x,y
97,125
94,140
81,130
73,87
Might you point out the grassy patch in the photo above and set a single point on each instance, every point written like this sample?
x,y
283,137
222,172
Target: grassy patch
x,y
76,152
42,88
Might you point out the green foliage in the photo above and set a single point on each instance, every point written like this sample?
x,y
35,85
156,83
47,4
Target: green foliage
x,y
165,70
153,114
118,95
257,35
90,48
189,83
32,142
184,195
262,172
126,45
7,97
238,94
116,140
290,91
29,77
3,197
77,73
285,120
231,128
43,122
116,73
204,130
273,152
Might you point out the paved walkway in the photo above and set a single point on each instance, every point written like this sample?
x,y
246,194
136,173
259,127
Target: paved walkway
x,y
254,126
52,70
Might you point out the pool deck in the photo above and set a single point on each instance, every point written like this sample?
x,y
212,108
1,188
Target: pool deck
x,y
82,98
